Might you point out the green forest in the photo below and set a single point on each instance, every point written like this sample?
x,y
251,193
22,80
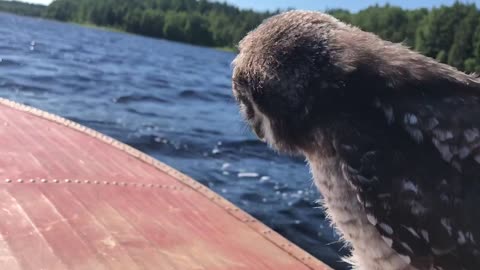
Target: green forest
x,y
198,22
22,8
450,34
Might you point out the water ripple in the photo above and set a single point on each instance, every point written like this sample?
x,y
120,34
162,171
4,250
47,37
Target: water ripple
x,y
170,100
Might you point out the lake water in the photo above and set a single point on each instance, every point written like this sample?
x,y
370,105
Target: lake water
x,y
170,100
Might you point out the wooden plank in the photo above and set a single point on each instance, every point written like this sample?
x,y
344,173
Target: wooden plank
x,y
72,198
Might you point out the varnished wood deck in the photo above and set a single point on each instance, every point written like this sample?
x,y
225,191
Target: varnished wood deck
x,y
71,198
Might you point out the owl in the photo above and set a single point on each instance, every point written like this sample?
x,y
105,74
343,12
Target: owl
x,y
392,137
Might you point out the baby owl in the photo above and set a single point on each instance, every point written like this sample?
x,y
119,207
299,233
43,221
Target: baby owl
x,y
392,137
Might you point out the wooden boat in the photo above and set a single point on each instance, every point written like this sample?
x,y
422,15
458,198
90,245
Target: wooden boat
x,y
72,198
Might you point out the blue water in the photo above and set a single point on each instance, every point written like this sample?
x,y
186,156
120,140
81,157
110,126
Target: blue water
x,y
170,100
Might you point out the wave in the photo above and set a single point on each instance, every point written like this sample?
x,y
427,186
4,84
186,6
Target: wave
x,y
138,98
5,62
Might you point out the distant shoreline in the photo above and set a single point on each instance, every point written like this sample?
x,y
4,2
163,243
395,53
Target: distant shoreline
x,y
120,30
202,23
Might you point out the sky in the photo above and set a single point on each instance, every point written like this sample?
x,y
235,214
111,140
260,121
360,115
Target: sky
x,y
353,5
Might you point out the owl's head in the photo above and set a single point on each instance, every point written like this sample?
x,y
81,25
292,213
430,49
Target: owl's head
x,y
284,79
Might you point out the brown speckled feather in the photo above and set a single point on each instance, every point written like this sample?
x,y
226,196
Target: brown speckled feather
x,y
418,175
392,137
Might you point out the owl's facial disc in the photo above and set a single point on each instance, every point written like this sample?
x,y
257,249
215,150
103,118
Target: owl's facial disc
x,y
259,122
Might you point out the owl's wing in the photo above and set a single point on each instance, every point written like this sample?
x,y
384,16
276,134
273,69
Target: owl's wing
x,y
421,186
451,122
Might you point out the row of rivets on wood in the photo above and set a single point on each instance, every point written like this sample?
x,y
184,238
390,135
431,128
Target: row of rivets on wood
x,y
92,182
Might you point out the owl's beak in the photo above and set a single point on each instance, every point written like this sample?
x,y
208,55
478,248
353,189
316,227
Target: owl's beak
x,y
262,139
258,130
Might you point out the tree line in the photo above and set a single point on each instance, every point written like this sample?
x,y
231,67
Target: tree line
x,y
21,8
198,22
450,34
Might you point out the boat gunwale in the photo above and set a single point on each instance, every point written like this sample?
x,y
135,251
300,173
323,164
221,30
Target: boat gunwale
x,y
254,224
